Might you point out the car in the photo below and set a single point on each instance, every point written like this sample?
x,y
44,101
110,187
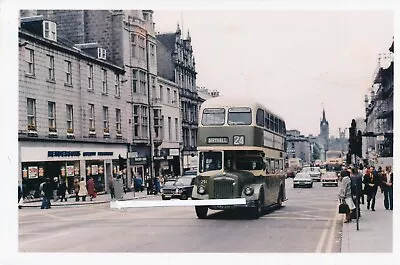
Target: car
x,y
302,179
314,172
329,178
182,188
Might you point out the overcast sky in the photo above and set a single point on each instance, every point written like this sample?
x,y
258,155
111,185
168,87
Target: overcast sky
x,y
294,62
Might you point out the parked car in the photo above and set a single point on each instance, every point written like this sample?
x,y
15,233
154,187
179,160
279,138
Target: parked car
x,y
329,178
168,184
181,189
302,179
314,172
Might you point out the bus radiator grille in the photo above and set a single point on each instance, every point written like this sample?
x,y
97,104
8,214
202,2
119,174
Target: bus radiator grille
x,y
223,189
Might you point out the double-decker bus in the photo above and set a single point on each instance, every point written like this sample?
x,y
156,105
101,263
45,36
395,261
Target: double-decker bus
x,y
334,160
241,150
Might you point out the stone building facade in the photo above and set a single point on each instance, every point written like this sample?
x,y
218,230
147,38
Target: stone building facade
x,y
72,119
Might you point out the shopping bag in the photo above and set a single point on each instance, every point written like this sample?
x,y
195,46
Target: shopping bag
x,y
344,208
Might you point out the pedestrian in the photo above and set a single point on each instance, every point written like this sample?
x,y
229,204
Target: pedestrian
x,y
82,189
149,185
356,189
76,189
371,182
387,186
62,189
345,194
112,187
19,195
47,193
91,189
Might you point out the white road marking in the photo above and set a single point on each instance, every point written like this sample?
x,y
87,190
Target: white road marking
x,y
322,238
332,233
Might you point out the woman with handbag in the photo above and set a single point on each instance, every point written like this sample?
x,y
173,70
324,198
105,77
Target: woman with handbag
x,y
345,195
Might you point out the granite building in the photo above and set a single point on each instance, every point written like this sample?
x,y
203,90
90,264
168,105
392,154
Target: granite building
x,y
176,62
72,108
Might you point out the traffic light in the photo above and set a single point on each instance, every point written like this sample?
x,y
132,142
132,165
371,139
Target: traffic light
x,y
352,137
121,162
348,158
358,144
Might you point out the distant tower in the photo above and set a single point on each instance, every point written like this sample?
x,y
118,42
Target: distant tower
x,y
324,130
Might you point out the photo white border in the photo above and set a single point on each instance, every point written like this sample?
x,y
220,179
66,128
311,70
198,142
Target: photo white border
x,y
9,155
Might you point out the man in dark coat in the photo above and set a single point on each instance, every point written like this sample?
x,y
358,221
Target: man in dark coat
x,y
48,193
356,188
62,188
387,186
371,182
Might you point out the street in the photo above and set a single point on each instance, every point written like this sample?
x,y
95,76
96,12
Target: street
x,y
307,223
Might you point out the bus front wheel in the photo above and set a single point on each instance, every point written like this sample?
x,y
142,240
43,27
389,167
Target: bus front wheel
x,y
201,211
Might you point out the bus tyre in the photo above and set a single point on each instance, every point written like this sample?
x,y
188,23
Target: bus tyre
x,y
257,211
201,211
184,196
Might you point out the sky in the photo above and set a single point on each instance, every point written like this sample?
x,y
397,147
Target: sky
x,y
294,62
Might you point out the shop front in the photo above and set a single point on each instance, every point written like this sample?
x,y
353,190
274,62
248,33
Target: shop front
x,y
67,161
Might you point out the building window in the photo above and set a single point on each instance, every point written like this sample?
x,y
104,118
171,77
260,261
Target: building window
x,y
105,89
30,60
50,30
144,121
157,123
51,67
162,126
175,97
142,48
51,110
70,118
136,120
90,77
134,81
68,73
169,129
31,111
193,138
152,54
153,86
176,130
133,45
161,94
142,78
117,86
105,120
91,118
168,95
118,120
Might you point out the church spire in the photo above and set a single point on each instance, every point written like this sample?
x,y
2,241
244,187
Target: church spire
x,y
323,115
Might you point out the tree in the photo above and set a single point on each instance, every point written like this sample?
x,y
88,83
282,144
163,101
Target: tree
x,y
316,152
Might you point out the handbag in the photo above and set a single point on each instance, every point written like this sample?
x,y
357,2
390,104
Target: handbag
x,y
344,208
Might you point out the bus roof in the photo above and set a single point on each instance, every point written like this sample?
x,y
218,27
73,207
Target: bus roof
x,y
229,101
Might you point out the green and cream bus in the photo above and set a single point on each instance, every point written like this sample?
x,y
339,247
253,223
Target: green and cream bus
x,y
241,151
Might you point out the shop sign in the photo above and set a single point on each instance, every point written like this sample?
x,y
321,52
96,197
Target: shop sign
x,y
95,169
140,159
70,171
33,172
63,171
158,157
174,152
77,153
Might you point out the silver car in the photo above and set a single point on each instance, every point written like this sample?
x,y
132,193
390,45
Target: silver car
x,y
314,172
329,178
302,180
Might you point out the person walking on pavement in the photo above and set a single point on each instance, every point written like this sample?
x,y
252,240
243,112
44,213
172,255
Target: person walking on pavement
x,y
387,185
149,185
356,189
62,188
82,189
371,182
76,189
90,188
47,193
345,194
112,189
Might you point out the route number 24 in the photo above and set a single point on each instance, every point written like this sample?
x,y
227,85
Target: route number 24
x,y
238,140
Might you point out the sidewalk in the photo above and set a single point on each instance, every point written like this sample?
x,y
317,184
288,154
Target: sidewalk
x,y
102,198
375,234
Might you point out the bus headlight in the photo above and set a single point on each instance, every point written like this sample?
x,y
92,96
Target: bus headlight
x,y
201,190
248,191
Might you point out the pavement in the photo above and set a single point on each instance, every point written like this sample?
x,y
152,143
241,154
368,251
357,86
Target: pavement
x,y
101,198
375,234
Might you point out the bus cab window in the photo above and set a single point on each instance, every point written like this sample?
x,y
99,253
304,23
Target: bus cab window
x,y
210,161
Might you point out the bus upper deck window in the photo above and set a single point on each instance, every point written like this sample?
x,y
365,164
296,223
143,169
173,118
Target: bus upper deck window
x,y
213,116
239,116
